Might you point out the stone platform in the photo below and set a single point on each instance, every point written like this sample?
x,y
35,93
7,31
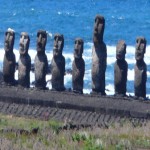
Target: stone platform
x,y
71,107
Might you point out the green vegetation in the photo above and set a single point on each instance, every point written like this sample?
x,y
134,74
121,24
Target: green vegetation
x,y
21,133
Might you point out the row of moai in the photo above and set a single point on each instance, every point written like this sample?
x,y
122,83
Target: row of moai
x,y
99,63
41,62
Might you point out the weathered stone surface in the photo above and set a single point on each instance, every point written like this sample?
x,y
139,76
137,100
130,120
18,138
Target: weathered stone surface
x,y
41,62
71,118
77,109
78,67
24,63
58,64
140,69
120,69
9,59
1,77
100,121
99,57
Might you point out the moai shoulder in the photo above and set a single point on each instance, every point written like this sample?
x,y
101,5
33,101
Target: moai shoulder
x,y
9,62
120,69
24,63
58,63
78,66
41,62
140,69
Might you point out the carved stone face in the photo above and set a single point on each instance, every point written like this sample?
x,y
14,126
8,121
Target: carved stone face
x,y
24,43
9,41
41,41
58,45
140,48
78,48
120,50
98,29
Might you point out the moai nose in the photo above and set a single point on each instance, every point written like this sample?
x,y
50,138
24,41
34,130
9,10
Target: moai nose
x,y
7,37
40,38
22,39
56,43
76,46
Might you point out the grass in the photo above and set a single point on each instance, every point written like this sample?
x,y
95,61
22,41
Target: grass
x,y
49,135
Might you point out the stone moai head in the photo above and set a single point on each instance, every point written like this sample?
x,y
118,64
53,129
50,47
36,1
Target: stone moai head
x,y
58,45
78,48
9,41
121,50
24,43
140,48
98,32
41,41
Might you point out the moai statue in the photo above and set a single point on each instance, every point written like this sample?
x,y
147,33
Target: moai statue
x,y
24,63
41,62
99,57
78,67
120,69
58,64
9,62
140,69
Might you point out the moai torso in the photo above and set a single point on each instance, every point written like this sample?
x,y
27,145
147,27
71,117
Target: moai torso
x,y
9,62
78,67
24,63
120,69
41,62
140,69
99,57
58,64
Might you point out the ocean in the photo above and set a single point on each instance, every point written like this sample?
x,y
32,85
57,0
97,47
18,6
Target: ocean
x,y
125,20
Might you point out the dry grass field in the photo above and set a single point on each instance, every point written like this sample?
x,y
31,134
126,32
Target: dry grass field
x,y
17,133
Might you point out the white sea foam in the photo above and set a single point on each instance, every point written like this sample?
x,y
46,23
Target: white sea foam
x,y
87,91
130,74
110,60
109,89
121,18
67,13
10,29
89,44
14,14
49,34
48,80
59,13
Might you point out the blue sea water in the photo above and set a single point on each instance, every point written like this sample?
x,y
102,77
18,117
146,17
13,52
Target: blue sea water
x,y
125,19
